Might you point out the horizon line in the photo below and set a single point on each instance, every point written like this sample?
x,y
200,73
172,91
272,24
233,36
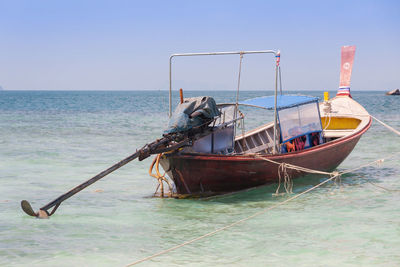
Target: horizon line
x,y
176,90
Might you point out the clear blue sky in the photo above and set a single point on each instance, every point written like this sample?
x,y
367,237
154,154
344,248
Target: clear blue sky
x,y
125,45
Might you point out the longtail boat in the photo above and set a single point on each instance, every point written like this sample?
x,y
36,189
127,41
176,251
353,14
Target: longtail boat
x,y
304,133
203,154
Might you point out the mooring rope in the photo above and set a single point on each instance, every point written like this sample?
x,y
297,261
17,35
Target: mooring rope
x,y
287,181
381,187
387,126
230,225
160,177
361,177
333,175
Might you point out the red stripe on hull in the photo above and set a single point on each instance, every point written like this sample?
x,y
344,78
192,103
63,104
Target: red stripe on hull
x,y
217,174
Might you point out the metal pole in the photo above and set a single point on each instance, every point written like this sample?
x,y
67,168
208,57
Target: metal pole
x,y
277,59
207,54
280,79
170,86
224,53
237,92
238,85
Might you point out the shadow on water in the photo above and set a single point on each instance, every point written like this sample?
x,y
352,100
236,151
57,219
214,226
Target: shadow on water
x,y
267,193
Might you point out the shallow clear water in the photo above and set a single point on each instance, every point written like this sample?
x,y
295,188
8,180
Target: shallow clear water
x,y
51,141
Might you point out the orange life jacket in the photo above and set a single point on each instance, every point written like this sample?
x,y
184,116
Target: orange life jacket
x,y
290,147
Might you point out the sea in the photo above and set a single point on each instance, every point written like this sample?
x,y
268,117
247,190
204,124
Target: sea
x,y
51,141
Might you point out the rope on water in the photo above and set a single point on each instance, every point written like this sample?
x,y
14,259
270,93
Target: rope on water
x,y
387,126
232,224
376,185
333,175
382,187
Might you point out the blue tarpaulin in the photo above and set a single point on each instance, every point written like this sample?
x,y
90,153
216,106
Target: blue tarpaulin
x,y
283,101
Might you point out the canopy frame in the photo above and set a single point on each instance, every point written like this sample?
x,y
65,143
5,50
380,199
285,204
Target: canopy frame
x,y
241,53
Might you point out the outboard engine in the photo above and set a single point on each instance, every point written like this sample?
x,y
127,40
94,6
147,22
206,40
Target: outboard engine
x,y
193,112
194,115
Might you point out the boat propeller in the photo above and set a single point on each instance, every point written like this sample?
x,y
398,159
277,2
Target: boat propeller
x,y
27,208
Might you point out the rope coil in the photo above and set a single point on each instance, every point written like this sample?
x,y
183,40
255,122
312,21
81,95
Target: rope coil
x,y
160,177
287,181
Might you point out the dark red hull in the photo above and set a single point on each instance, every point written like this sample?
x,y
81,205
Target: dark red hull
x,y
205,174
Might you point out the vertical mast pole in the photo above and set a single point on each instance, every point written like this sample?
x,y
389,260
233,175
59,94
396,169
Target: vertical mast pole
x,y
280,80
237,91
278,58
170,86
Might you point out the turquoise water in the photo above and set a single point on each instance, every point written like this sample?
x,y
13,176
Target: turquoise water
x,y
51,141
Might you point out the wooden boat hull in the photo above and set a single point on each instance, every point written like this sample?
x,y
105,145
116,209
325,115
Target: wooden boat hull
x,y
207,174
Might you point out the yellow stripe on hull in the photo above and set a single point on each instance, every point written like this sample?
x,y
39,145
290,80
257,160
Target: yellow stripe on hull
x,y
337,123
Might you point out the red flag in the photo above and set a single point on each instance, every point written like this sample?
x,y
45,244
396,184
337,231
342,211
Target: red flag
x,y
345,70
